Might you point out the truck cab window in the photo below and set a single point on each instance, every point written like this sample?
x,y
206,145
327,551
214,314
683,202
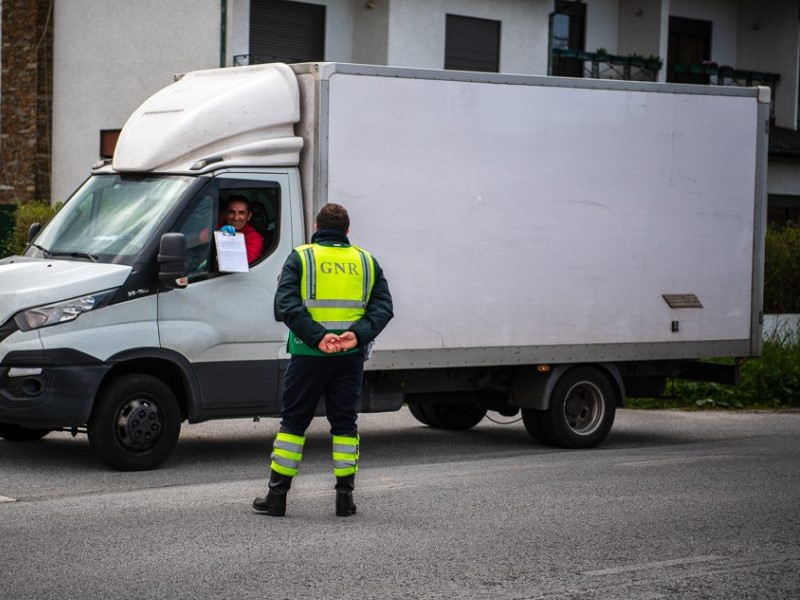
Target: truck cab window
x,y
198,229
111,217
264,200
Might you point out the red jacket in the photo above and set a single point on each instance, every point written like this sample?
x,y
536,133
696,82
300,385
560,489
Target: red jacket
x,y
253,241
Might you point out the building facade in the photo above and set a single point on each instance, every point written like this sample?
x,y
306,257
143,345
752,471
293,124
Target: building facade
x,y
73,71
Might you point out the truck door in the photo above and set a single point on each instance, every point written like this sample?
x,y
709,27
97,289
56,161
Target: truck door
x,y
223,323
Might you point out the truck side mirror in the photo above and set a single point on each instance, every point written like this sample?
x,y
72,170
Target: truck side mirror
x,y
33,231
172,267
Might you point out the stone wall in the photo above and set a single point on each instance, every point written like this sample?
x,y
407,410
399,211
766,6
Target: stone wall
x,y
26,98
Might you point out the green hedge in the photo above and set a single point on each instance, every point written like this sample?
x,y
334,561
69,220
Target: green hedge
x,y
782,271
27,214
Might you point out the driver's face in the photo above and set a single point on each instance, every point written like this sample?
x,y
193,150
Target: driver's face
x,y
237,214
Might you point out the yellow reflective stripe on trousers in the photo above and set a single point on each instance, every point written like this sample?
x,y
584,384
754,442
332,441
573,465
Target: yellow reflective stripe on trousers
x,y
287,452
345,455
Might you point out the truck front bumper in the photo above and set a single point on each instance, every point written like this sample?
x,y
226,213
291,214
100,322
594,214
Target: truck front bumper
x,y
41,392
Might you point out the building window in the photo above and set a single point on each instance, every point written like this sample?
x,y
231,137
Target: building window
x,y
108,142
282,31
689,44
472,44
567,32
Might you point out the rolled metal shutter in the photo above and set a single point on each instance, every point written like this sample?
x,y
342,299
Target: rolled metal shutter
x,y
472,44
286,31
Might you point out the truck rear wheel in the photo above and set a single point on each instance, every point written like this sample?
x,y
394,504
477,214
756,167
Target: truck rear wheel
x,y
581,412
135,424
15,433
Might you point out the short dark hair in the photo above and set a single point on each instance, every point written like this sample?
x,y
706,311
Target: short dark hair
x,y
239,198
333,216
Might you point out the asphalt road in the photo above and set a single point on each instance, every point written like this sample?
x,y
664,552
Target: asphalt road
x,y
673,505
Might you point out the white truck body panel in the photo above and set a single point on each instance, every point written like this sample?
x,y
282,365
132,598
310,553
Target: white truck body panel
x,y
547,221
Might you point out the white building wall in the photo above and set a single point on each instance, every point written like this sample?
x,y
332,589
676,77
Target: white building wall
x,y
643,28
602,18
238,29
111,55
371,32
417,32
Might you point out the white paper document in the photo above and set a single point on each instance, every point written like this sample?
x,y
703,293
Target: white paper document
x,y
231,252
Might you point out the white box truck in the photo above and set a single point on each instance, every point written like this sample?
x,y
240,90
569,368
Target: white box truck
x,y
552,245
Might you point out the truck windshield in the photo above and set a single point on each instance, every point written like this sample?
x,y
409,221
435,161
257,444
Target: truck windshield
x,y
110,217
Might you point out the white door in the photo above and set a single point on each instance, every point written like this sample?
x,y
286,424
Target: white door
x,y
224,323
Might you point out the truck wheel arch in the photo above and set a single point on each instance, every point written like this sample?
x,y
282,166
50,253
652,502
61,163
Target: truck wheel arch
x,y
170,367
531,388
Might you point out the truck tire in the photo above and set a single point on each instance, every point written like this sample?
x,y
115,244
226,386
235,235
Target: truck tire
x,y
15,433
534,421
453,417
581,411
135,423
418,413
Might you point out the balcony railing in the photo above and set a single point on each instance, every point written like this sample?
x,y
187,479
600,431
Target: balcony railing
x,y
602,65
725,75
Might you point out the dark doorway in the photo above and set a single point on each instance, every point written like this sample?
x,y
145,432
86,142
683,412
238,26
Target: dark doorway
x,y
689,45
567,32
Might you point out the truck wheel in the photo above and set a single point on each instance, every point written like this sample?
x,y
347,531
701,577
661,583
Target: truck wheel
x,y
534,421
419,414
135,423
15,433
454,417
581,411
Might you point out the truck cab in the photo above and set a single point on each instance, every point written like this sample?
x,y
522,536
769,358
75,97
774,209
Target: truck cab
x,y
117,318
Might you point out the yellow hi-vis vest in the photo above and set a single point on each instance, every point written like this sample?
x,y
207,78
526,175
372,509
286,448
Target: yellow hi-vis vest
x,y
335,286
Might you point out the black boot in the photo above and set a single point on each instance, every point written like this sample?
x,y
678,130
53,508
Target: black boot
x,y
274,503
344,496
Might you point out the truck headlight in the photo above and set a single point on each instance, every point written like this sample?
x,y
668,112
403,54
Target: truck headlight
x,y
60,312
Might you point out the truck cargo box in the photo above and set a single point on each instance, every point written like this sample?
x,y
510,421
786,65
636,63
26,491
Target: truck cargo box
x,y
529,219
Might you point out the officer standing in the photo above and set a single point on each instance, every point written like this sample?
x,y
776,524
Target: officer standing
x,y
335,301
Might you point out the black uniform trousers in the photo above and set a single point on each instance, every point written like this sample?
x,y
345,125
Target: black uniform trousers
x,y
337,376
